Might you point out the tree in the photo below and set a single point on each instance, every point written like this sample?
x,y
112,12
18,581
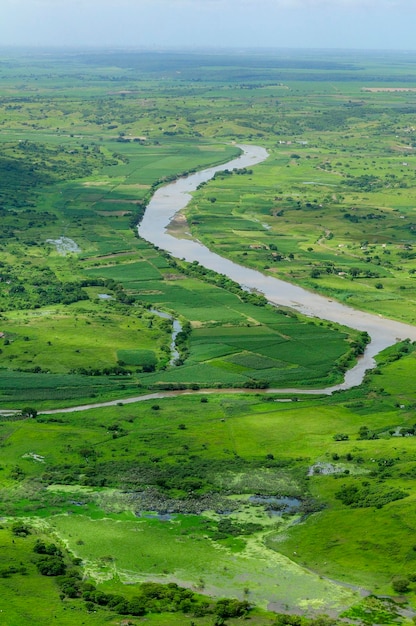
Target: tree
x,y
29,411
20,530
400,584
137,606
51,565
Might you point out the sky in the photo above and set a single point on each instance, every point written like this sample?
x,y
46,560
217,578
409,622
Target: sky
x,y
167,24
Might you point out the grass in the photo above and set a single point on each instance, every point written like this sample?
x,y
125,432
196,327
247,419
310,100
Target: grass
x,y
61,341
169,551
331,209
270,219
238,429
93,335
34,598
98,333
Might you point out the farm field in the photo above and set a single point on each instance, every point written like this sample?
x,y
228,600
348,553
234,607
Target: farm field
x,y
98,314
213,507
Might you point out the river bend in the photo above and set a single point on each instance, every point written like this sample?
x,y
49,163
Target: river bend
x,y
171,198
175,196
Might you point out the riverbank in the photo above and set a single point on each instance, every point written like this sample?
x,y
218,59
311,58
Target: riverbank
x,y
174,197
170,199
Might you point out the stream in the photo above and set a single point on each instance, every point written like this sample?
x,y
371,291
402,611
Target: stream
x,y
176,329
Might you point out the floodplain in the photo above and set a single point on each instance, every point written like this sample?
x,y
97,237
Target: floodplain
x,y
296,508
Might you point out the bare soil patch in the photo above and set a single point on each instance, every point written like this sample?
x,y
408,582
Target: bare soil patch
x,y
134,186
174,277
179,227
95,183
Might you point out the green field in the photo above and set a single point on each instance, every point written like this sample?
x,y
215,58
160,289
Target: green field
x,y
299,505
81,476
328,209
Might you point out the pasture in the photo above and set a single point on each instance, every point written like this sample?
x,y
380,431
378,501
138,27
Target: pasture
x,y
219,452
193,489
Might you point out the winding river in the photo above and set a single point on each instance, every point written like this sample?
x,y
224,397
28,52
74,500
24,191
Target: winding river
x,y
171,198
168,200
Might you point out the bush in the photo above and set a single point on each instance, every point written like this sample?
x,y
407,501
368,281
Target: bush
x,y
400,584
51,566
41,547
20,530
340,437
231,608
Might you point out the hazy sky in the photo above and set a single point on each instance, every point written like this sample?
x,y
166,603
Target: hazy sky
x,y
379,24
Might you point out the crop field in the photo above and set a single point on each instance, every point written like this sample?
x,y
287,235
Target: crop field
x,y
82,247
107,314
296,508
93,335
326,210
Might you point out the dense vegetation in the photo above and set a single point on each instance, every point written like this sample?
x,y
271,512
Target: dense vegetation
x,y
214,507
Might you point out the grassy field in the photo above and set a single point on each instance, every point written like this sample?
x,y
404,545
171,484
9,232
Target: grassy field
x,y
92,334
195,489
61,340
177,551
27,596
31,598
55,319
87,479
327,210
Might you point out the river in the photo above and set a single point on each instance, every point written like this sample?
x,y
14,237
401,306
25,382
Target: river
x,y
175,196
171,198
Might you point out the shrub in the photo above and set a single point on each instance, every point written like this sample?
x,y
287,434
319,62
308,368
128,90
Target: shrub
x,y
51,565
400,584
20,530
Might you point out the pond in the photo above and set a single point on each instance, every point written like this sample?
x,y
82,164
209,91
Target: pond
x,y
278,505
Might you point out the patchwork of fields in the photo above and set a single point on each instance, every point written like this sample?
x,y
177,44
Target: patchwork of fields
x,y
294,510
